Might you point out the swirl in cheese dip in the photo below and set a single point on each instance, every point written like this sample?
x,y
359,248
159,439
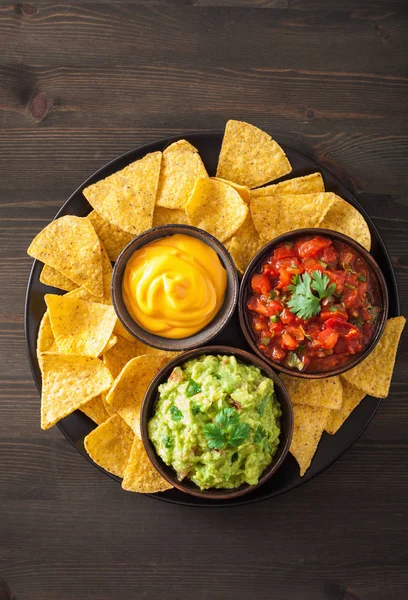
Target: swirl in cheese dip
x,y
174,286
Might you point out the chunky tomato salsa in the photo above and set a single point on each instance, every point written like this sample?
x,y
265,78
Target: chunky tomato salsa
x,y
315,304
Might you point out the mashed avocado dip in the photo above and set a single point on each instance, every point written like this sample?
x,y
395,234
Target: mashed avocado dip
x,y
216,422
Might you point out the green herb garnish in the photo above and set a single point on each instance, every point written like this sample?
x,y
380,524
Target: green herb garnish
x,y
195,409
234,457
304,303
259,434
265,340
272,294
275,318
261,407
357,321
167,441
294,361
226,430
192,388
361,277
176,414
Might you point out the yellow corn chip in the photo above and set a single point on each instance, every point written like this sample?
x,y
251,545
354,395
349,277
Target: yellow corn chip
x,y
124,350
249,156
310,422
80,327
140,475
110,343
245,244
352,397
123,332
71,246
326,393
112,237
346,219
308,184
45,339
216,208
181,166
127,393
169,216
373,375
52,277
126,198
107,406
69,381
242,190
110,444
106,277
274,215
95,410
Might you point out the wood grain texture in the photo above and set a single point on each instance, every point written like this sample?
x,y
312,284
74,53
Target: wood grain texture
x,y
82,82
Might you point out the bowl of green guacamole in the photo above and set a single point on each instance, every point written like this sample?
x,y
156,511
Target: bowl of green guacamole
x,y
217,422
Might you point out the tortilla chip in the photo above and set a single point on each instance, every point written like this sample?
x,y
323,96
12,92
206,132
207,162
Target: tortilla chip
x,y
169,216
110,444
274,215
69,381
373,375
80,327
106,277
120,329
216,208
45,338
181,166
352,397
308,184
310,422
54,278
95,410
110,343
326,392
140,475
346,219
71,246
112,237
126,198
107,406
127,393
124,350
245,244
249,156
242,190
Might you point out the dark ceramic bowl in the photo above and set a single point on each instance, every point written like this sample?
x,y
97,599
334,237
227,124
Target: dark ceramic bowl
x,y
255,267
209,331
187,486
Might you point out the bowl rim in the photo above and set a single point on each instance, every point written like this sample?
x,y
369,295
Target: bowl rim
x,y
150,399
266,250
220,319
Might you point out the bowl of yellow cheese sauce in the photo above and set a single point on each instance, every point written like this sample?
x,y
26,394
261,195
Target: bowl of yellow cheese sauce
x,y
174,287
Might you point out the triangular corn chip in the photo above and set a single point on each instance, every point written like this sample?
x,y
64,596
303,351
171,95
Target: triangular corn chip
x,y
110,444
52,277
80,327
243,190
95,410
245,244
352,397
274,215
217,208
326,392
346,219
308,184
69,381
309,425
70,245
181,166
112,237
249,156
373,375
169,216
126,198
140,475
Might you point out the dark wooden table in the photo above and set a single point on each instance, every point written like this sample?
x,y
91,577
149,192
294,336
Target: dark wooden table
x,y
83,82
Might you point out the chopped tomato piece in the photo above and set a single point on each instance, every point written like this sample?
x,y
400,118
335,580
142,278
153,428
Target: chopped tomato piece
x,y
275,328
312,247
338,278
261,284
328,338
260,324
296,332
313,265
277,353
284,251
287,317
340,325
289,342
284,279
335,310
329,255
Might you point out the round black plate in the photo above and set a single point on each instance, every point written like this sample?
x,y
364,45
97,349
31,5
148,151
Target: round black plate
x,y
76,426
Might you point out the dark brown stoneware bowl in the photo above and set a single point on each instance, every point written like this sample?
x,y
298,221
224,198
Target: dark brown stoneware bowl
x,y
187,486
255,267
209,331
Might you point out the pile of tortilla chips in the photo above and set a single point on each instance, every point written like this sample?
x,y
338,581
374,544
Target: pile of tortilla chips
x,y
90,362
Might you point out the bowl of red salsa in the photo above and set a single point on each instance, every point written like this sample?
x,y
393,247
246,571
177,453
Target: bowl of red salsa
x,y
313,302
